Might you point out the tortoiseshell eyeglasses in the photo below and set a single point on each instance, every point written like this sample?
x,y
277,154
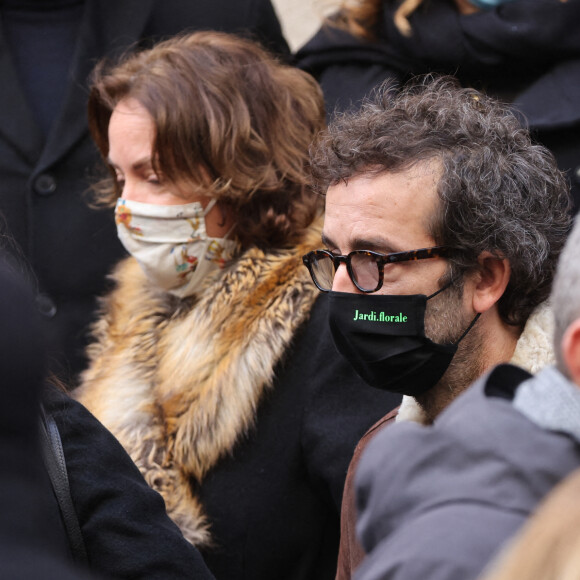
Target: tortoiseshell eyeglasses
x,y
365,268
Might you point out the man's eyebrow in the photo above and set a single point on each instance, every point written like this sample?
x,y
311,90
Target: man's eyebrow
x,y
375,244
327,241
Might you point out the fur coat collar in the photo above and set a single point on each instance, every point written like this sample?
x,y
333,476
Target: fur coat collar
x,y
178,382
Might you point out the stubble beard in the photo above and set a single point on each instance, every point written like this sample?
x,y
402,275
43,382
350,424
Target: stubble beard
x,y
445,322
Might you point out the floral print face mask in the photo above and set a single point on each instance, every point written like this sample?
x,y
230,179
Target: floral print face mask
x,y
171,244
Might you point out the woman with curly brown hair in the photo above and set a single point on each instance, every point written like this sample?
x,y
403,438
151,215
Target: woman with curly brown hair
x,y
212,361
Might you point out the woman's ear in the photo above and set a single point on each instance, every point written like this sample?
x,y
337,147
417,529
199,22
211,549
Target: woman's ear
x,y
490,281
571,350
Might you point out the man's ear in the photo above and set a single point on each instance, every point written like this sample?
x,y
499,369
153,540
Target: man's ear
x,y
571,350
490,281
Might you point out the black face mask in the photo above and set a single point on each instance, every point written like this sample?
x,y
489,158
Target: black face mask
x,y
383,338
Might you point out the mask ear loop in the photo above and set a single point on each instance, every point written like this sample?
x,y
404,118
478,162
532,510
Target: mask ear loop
x,y
448,285
227,234
209,206
472,323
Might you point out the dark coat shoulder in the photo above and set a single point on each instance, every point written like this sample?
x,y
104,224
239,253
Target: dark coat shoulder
x,y
439,501
126,530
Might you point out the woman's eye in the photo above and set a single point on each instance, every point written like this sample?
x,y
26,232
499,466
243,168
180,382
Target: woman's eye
x,y
154,179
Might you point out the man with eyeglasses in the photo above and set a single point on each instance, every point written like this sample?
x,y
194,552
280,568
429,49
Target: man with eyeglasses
x,y
442,230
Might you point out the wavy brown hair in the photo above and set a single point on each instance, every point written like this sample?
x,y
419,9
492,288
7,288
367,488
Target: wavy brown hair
x,y
232,123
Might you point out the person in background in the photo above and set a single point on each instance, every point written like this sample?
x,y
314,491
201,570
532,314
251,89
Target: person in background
x,y
525,52
47,158
442,229
212,362
547,546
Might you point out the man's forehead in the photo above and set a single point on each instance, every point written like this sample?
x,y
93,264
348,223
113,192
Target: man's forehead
x,y
375,179
386,188
390,210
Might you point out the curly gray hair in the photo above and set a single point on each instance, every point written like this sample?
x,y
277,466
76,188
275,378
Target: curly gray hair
x,y
565,296
499,191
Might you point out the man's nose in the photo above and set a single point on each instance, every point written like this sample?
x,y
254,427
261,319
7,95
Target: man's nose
x,y
342,281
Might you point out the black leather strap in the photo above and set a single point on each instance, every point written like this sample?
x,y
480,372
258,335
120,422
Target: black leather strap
x,y
56,466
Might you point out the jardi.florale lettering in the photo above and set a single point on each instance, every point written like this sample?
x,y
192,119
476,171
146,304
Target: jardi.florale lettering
x,y
382,317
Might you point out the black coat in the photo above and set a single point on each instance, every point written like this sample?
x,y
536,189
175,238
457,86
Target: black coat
x,y
29,546
286,479
243,400
43,200
125,528
526,52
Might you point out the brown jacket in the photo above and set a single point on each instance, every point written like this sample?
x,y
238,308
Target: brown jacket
x,y
350,552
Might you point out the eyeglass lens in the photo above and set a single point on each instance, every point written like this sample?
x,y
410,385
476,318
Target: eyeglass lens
x,y
323,270
364,270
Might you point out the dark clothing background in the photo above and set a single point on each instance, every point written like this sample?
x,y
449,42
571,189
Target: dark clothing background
x,y
29,548
126,531
526,52
125,526
444,504
44,177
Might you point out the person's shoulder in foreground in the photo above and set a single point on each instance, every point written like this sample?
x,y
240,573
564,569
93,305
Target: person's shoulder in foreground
x,y
443,504
125,527
547,546
28,546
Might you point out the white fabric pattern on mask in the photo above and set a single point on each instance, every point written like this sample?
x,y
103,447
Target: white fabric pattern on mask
x,y
171,244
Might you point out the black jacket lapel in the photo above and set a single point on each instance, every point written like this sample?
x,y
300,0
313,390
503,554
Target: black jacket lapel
x,y
120,25
19,126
